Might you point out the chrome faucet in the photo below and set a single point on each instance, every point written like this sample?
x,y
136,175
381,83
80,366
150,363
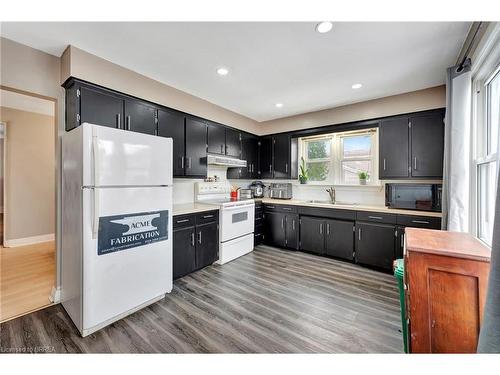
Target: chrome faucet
x,y
331,191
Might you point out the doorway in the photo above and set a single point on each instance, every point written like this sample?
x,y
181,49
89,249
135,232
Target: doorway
x,y
28,134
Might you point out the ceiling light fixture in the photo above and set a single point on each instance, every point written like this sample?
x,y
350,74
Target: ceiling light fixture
x,y
222,71
357,86
324,27
279,105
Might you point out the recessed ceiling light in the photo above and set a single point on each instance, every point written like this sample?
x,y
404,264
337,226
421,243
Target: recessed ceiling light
x,y
279,105
357,86
222,71
324,27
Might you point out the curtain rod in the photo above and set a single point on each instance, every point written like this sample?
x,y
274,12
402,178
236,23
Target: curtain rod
x,y
471,43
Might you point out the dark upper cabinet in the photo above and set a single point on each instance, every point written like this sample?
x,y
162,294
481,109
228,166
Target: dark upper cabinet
x,y
281,156
266,157
216,139
250,153
100,108
312,234
427,145
275,228
72,98
140,117
196,148
171,124
339,239
375,244
184,251
233,143
207,244
394,148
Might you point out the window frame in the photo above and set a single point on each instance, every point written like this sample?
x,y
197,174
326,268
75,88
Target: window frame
x,y
336,155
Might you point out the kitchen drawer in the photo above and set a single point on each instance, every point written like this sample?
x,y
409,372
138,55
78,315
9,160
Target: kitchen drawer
x,y
419,221
280,208
376,217
207,217
182,221
259,219
259,206
330,213
259,229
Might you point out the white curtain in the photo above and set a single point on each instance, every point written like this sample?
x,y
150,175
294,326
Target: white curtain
x,y
456,182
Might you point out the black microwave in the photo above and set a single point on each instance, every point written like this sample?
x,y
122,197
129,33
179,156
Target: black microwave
x,y
422,197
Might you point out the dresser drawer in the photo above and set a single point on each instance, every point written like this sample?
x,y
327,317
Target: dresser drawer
x,y
419,221
207,217
376,217
182,221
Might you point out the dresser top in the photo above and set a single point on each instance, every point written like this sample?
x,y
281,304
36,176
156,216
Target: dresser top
x,y
452,244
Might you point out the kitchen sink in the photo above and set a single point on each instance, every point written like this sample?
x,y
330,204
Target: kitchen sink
x,y
333,204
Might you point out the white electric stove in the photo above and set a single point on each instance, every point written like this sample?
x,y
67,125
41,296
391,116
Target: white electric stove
x,y
236,219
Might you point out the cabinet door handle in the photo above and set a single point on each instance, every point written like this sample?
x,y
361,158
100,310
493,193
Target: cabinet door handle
x,y
321,228
282,222
359,234
384,164
188,163
328,228
129,121
221,148
182,162
207,216
199,237
293,224
402,240
270,168
375,217
182,221
287,208
118,121
415,163
192,238
286,167
420,222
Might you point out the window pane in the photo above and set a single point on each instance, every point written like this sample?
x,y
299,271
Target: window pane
x,y
493,113
318,171
357,146
486,199
319,149
351,168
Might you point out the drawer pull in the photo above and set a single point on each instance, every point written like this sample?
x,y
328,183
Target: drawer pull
x,y
271,207
287,208
182,221
375,217
420,222
207,216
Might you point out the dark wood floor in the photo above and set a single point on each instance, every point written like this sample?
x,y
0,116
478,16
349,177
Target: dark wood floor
x,y
269,301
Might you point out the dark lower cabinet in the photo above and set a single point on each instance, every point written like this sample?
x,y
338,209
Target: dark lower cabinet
x,y
171,124
312,237
184,251
195,242
339,239
275,228
196,148
207,244
400,242
259,224
375,244
100,108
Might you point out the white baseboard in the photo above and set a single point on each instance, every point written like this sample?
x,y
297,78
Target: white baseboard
x,y
29,240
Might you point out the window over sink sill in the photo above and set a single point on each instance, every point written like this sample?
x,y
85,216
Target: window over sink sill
x,y
337,158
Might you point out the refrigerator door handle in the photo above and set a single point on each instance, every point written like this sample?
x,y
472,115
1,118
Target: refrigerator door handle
x,y
95,149
95,222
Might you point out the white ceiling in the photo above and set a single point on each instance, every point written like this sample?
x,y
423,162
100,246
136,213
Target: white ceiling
x,y
268,63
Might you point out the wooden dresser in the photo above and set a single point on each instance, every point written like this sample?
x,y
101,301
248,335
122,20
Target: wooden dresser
x,y
446,276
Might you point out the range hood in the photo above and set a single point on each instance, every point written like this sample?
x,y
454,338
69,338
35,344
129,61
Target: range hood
x,y
225,161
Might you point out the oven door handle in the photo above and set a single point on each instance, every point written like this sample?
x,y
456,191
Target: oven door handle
x,y
243,208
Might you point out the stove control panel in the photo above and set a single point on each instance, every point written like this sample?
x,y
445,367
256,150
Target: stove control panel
x,y
205,188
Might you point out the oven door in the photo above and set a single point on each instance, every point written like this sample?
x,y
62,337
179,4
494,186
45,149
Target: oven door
x,y
236,221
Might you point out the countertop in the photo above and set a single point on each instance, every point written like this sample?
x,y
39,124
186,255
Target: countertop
x,y
453,244
356,207
191,208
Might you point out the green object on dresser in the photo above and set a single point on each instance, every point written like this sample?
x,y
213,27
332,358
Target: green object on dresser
x,y
399,271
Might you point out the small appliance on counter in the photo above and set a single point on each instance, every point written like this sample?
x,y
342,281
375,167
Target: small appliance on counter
x,y
423,197
280,190
246,194
257,188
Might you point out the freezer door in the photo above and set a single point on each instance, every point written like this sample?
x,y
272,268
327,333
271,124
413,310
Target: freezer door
x,y
127,259
115,157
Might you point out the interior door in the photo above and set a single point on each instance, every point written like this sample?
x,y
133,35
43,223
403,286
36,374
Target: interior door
x,y
101,108
393,148
171,124
127,249
427,146
117,158
140,117
196,148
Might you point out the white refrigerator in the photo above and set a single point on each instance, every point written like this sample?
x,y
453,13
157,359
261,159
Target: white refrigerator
x,y
116,223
